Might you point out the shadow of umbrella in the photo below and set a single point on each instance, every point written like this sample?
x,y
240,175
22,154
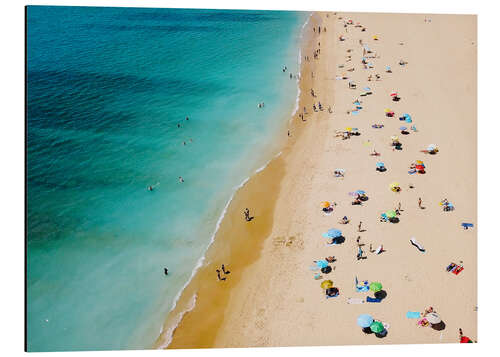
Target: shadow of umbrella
x,y
439,327
381,294
381,334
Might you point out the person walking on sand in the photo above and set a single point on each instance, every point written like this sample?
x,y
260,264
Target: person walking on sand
x,y
247,214
420,203
224,270
357,241
359,226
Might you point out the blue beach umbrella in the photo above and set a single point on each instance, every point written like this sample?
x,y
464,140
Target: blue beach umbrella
x,y
408,120
402,128
322,264
380,164
364,320
360,192
333,233
407,116
366,88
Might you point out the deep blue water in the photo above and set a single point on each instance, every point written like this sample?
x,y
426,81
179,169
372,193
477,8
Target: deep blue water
x,y
107,89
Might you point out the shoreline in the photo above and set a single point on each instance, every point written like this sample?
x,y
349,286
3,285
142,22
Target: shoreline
x,y
186,301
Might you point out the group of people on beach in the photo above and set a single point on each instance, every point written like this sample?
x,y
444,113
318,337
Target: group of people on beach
x,y
224,272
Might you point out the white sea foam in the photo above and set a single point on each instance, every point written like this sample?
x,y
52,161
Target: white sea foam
x,y
297,99
170,332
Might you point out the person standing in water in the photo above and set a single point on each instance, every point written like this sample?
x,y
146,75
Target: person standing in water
x,y
165,270
181,180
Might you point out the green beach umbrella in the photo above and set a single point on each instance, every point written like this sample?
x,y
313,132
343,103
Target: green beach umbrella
x,y
391,213
377,327
375,286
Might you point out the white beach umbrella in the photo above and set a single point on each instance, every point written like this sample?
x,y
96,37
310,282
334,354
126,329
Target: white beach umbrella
x,y
433,318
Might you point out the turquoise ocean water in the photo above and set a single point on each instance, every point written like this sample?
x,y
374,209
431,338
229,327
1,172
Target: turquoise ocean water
x,y
107,89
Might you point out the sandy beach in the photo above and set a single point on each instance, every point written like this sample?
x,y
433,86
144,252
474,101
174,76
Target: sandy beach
x,y
271,298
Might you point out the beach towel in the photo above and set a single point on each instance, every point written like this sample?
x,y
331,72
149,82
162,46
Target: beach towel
x,y
355,301
417,245
355,112
370,299
413,315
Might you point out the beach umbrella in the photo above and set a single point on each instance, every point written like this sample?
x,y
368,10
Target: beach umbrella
x,y
420,167
387,110
375,37
325,204
419,162
380,164
348,128
394,184
361,192
394,138
432,147
321,264
433,318
327,284
333,233
375,286
407,116
408,120
402,128
377,327
394,94
364,320
390,213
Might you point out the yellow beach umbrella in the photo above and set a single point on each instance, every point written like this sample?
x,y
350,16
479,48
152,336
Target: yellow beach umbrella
x,y
375,37
327,284
394,185
394,138
419,162
387,110
348,128
325,204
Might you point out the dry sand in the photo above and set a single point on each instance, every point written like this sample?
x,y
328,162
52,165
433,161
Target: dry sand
x,y
271,297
